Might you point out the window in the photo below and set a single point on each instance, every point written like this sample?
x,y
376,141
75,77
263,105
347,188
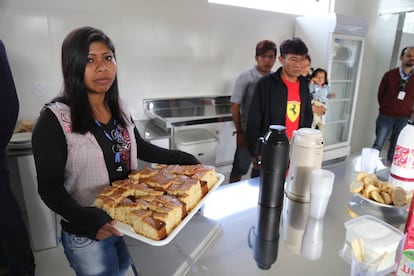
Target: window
x,y
299,7
409,23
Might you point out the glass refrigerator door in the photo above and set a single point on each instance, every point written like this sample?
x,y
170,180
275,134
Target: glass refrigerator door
x,y
343,75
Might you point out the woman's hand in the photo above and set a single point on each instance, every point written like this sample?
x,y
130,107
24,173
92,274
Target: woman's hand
x,y
107,230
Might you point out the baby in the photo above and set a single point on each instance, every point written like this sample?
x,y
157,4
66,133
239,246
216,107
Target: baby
x,y
319,89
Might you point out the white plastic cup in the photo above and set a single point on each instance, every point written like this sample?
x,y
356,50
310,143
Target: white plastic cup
x,y
369,159
312,242
320,190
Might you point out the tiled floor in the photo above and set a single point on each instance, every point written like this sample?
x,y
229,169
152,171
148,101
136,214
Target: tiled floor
x,y
52,262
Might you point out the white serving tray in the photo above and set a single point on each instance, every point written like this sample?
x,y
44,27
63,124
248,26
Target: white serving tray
x,y
127,229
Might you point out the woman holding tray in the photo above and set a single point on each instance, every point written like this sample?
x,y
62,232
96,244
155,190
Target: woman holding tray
x,y
84,140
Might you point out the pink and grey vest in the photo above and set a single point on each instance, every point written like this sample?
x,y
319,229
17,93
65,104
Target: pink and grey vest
x,y
85,171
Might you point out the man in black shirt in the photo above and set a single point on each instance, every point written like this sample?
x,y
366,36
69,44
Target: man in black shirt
x,y
15,250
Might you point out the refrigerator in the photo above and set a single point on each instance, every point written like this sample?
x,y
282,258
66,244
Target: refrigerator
x,y
336,44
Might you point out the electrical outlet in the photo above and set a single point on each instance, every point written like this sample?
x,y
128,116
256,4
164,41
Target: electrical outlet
x,y
39,89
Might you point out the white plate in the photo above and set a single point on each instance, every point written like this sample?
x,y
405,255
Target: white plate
x,y
126,229
21,137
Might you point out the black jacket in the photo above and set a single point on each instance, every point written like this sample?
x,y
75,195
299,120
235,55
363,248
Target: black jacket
x,y
268,107
9,103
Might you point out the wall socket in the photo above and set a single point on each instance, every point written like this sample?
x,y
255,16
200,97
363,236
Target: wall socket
x,y
39,89
43,89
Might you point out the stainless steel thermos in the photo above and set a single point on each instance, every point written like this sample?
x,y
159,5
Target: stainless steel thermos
x,y
306,154
274,165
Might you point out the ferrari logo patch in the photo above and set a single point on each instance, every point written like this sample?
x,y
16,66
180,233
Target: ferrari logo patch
x,y
293,110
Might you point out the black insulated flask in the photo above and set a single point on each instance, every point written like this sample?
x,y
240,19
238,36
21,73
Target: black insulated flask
x,y
266,237
274,165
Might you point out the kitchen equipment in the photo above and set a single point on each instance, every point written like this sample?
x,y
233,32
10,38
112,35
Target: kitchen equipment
x,y
266,237
199,142
275,156
42,222
21,140
402,167
305,155
172,115
338,47
274,151
168,113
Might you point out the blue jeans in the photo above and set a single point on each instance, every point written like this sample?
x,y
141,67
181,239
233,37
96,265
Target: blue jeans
x,y
384,126
241,163
108,257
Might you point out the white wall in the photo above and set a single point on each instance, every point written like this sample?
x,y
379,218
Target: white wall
x,y
164,48
173,48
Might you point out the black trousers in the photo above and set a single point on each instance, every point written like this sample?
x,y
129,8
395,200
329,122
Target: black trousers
x,y
15,249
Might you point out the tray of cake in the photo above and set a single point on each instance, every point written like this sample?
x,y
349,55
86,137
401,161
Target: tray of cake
x,y
153,204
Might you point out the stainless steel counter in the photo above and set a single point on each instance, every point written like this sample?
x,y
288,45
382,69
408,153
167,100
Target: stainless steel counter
x,y
190,118
176,112
221,247
149,131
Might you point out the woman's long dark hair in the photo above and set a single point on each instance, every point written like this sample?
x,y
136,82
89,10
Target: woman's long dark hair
x,y
75,50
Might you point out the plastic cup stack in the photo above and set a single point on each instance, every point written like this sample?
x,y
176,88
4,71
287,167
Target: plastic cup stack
x,y
320,190
369,159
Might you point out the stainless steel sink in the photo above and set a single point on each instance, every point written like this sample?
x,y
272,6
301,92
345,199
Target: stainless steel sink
x,y
173,112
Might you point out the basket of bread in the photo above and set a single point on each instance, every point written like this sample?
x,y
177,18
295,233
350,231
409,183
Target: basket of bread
x,y
381,192
152,204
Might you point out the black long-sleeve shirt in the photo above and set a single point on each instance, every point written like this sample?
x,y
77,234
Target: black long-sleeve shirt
x,y
50,152
269,104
